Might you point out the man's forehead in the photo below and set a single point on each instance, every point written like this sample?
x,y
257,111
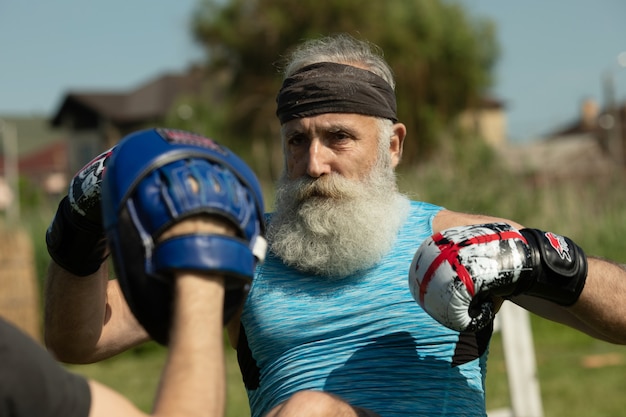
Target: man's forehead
x,y
328,121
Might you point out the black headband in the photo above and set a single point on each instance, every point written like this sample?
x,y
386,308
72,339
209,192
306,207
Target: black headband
x,y
328,87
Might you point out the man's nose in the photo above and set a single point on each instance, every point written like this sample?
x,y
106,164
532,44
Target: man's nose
x,y
319,158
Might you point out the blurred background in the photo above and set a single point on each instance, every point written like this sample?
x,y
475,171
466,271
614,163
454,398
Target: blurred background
x,y
515,109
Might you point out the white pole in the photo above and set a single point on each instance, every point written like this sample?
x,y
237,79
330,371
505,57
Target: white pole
x,y
11,173
521,366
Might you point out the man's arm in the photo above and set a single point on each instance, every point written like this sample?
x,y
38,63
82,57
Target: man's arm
x,y
86,317
599,312
193,381
197,339
602,303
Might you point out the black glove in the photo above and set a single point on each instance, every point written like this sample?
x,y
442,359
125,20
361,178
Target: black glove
x,y
75,237
559,268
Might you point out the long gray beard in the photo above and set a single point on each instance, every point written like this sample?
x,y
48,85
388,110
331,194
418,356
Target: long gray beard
x,y
334,227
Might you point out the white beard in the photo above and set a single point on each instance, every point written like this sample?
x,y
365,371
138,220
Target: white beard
x,y
333,226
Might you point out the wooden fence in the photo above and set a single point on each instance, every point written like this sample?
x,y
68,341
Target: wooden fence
x,y
19,292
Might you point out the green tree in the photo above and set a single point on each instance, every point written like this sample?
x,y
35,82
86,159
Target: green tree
x,y
441,56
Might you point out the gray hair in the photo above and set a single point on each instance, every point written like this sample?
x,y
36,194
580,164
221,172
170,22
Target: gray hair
x,y
340,49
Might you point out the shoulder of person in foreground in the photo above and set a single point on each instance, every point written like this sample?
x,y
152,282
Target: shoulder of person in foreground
x,y
192,384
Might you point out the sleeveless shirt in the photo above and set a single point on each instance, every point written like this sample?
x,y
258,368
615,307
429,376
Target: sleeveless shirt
x,y
361,337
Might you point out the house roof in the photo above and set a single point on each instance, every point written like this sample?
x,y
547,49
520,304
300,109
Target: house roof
x,y
590,123
488,102
151,100
574,156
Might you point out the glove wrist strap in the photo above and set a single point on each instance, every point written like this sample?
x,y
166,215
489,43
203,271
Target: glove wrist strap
x,y
75,243
212,253
559,267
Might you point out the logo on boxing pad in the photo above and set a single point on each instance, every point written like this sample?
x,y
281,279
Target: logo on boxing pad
x,y
188,138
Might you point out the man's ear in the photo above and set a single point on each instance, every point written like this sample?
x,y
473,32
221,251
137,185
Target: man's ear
x,y
396,144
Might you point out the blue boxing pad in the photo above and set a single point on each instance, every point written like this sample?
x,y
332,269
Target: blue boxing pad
x,y
157,178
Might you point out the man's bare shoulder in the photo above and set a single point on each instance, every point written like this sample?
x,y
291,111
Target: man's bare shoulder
x,y
447,218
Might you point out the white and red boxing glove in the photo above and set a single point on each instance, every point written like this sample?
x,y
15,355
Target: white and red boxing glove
x,y
456,273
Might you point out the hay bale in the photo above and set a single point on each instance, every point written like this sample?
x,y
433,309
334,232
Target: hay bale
x,y
19,292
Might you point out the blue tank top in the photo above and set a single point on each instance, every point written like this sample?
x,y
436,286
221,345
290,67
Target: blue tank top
x,y
361,337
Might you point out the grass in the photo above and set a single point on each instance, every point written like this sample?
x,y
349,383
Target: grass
x,y
579,376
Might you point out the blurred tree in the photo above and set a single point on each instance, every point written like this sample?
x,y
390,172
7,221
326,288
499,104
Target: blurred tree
x,y
442,59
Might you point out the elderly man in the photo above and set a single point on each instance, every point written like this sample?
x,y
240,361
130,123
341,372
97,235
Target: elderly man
x,y
330,326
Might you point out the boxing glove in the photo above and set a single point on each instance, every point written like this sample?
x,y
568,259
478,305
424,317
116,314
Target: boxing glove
x,y
456,273
75,238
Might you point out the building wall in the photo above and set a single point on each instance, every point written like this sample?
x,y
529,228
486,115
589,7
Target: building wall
x,y
85,145
489,123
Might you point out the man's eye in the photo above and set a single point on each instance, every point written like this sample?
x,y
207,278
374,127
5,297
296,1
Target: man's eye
x,y
340,136
296,140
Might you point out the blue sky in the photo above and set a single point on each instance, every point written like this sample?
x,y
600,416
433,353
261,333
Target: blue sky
x,y
554,53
